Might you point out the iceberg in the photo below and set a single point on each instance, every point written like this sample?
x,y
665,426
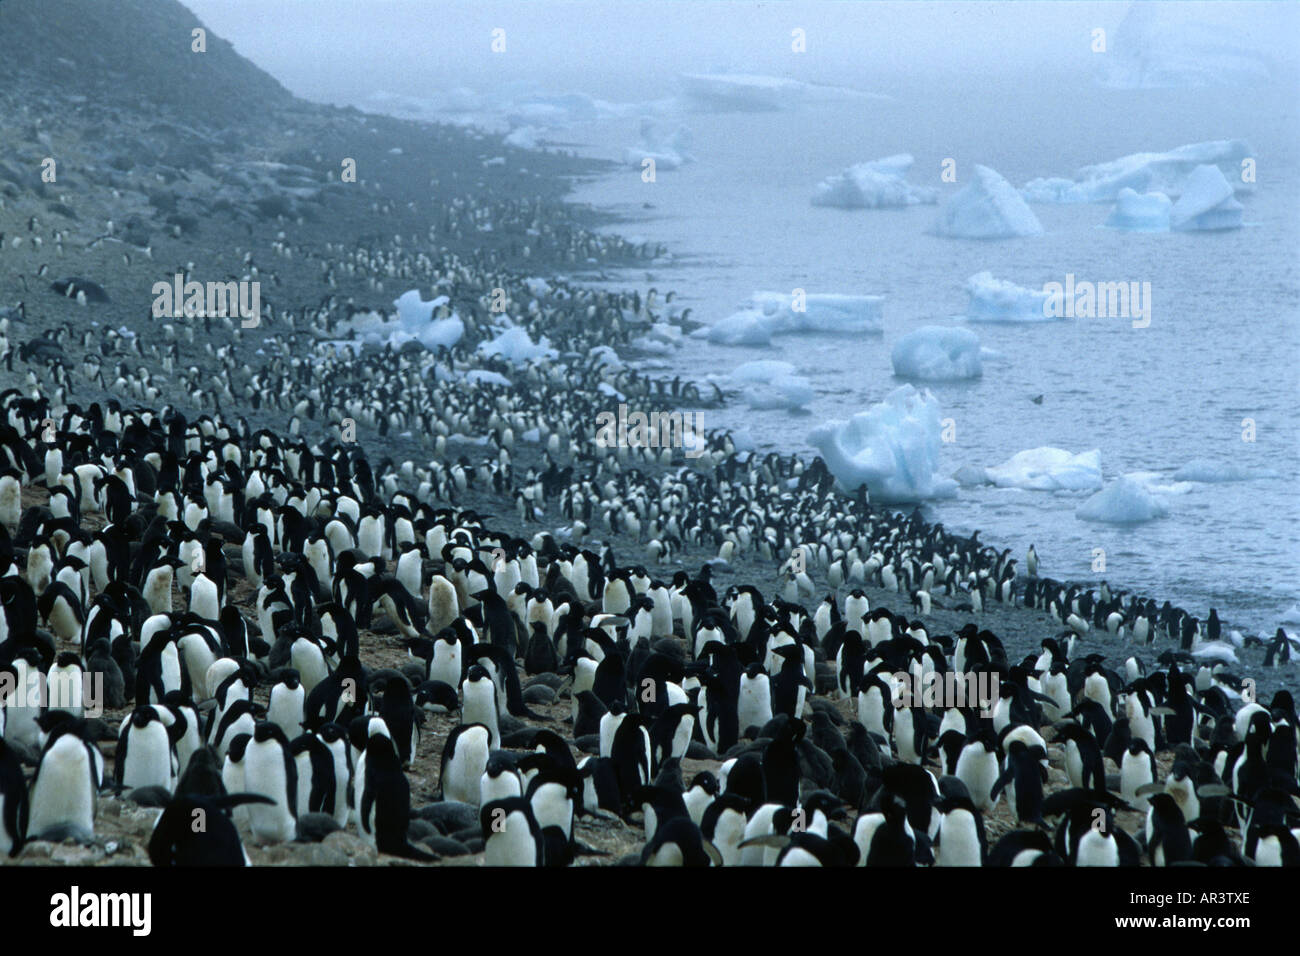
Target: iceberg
x,y
936,353
1124,501
413,322
790,392
1210,472
523,137
997,300
892,448
1140,212
879,184
772,384
1207,202
987,208
1163,46
515,346
1142,173
753,92
775,313
1049,469
667,151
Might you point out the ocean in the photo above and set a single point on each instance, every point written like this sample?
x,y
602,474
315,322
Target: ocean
x,y
1222,345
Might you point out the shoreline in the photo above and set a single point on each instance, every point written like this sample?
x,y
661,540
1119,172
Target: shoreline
x,y
244,209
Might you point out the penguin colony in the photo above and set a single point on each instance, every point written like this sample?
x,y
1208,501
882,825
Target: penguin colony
x,y
282,630
263,713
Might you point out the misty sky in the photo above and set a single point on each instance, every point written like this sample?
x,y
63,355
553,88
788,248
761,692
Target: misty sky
x,y
340,50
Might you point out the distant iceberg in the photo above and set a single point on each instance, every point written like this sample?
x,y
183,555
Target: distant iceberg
x,y
1140,212
753,92
879,184
997,300
1180,45
892,448
987,208
1212,472
1207,202
1143,173
1124,501
1049,469
774,313
937,353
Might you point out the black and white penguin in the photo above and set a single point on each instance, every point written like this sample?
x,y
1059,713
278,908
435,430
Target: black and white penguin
x,y
270,770
145,755
65,791
464,760
195,830
385,810
13,802
511,834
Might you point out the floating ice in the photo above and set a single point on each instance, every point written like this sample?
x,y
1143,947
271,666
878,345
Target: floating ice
x,y
987,208
774,313
1124,501
892,448
937,353
515,346
667,151
1049,469
1140,212
997,300
790,392
752,92
1212,472
879,184
1142,172
772,384
1207,202
1160,46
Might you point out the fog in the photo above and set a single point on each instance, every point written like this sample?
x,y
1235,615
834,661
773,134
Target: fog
x,y
340,51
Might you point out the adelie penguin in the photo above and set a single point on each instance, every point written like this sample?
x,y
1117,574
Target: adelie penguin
x,y
385,811
270,770
195,830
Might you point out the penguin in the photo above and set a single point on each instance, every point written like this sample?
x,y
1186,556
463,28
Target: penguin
x,y
403,720
385,810
1168,840
178,840
270,770
1137,770
145,756
511,834
464,761
286,706
14,806
754,707
65,791
479,695
500,780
